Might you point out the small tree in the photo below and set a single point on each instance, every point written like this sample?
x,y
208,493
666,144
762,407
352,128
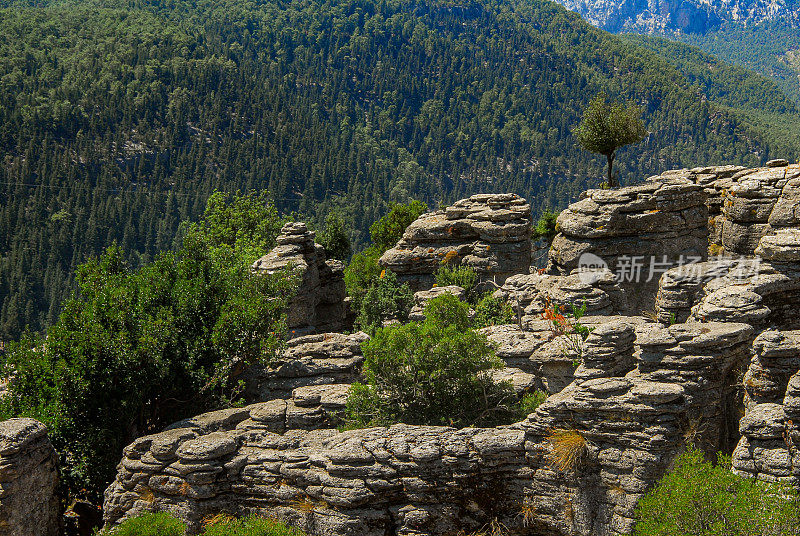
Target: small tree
x,y
607,126
335,236
386,299
390,228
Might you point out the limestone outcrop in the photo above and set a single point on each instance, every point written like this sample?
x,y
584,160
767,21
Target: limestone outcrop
x,y
490,233
745,204
762,291
321,359
715,362
433,480
663,220
319,304
29,504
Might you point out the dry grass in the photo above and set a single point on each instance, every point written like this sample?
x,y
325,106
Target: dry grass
x,y
567,448
528,512
495,528
210,521
146,494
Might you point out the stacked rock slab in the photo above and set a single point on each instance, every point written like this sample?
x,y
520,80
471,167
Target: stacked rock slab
x,y
634,410
745,204
318,306
659,223
321,359
763,291
532,294
490,233
29,504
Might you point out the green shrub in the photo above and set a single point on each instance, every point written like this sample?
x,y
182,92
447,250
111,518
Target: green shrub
x,y
160,524
250,526
360,275
434,372
531,401
390,228
163,524
363,271
136,349
385,300
491,311
698,498
462,276
545,228
334,236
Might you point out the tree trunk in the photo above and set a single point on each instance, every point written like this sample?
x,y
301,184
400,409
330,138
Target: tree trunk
x,y
610,180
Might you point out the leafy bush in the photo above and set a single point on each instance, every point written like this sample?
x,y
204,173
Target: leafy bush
x,y
162,524
363,271
433,372
360,275
491,311
134,350
462,276
385,300
334,236
698,498
531,401
545,228
390,228
159,524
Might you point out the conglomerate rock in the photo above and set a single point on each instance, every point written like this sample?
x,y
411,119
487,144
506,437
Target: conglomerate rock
x,y
319,303
490,233
29,504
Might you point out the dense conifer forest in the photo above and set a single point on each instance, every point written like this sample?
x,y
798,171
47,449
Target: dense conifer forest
x,y
118,118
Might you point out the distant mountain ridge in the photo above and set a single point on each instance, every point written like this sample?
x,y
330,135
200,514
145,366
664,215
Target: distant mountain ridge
x,y
680,16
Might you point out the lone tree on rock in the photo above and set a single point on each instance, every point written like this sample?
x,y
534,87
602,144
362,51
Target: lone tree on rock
x,y
607,126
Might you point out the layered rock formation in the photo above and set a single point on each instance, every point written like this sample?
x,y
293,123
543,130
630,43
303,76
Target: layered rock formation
x,y
490,233
29,504
723,340
325,358
660,223
318,306
762,291
433,480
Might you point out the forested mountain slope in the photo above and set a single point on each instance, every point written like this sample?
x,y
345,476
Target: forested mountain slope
x,y
119,118
771,48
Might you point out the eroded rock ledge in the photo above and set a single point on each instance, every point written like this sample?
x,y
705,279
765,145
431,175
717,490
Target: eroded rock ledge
x,y
633,410
720,337
490,233
29,505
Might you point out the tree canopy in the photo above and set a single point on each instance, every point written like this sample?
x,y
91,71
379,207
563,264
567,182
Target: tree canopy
x,y
606,126
137,349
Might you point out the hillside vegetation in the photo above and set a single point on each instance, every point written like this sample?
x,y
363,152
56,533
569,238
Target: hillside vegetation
x,y
770,48
118,119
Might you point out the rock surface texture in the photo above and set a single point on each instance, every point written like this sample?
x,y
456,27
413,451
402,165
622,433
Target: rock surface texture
x,y
321,359
643,390
29,504
319,304
630,229
715,362
490,233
